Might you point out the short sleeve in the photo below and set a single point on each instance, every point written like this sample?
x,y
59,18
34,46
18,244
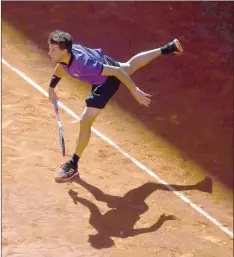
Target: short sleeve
x,y
92,68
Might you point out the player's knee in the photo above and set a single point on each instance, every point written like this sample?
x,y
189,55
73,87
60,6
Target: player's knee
x,y
86,122
126,67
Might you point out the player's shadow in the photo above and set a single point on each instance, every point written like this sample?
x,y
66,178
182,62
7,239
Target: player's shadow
x,y
125,211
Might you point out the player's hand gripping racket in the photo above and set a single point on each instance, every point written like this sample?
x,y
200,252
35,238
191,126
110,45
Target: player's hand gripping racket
x,y
61,135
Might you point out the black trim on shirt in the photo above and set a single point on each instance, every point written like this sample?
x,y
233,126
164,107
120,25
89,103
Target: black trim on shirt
x,y
71,59
101,70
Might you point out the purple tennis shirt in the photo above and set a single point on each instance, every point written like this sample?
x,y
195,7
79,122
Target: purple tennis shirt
x,y
86,64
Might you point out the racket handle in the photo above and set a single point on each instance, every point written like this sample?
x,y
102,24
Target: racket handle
x,y
55,104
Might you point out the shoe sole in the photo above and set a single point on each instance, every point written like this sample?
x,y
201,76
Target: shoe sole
x,y
61,180
179,47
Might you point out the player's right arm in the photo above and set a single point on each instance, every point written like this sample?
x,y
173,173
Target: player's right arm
x,y
56,77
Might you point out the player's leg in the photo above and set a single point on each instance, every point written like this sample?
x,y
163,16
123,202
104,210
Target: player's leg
x,y
140,60
143,58
88,117
70,168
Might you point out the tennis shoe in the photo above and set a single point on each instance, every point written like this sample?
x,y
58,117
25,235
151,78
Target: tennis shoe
x,y
175,47
68,171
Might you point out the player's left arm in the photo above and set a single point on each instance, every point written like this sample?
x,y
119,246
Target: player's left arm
x,y
139,95
120,74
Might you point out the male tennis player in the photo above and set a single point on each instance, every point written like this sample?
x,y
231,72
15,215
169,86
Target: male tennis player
x,y
104,74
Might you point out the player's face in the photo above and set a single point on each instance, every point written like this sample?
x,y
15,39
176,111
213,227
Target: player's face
x,y
56,54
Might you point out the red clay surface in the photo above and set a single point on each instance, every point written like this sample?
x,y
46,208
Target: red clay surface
x,y
117,209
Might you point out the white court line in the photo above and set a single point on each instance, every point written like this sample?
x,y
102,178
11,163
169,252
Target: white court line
x,y
137,163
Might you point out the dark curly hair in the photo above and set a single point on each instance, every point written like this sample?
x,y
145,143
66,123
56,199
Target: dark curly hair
x,y
62,39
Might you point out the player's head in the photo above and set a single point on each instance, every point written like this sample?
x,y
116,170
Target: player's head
x,y
60,45
100,241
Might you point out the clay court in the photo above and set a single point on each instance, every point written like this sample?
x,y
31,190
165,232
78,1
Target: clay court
x,y
119,206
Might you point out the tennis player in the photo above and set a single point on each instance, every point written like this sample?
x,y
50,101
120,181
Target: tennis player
x,y
104,74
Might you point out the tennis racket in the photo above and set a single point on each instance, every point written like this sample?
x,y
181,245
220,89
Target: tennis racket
x,y
60,128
